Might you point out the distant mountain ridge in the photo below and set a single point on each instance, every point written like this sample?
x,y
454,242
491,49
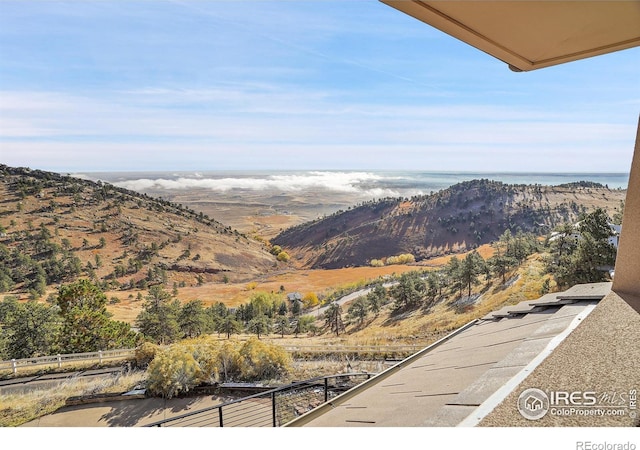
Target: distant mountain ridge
x,y
455,219
55,228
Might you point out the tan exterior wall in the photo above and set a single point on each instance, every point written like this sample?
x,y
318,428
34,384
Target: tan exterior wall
x,y
626,281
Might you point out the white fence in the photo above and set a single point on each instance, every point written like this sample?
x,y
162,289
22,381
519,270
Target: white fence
x,y
58,360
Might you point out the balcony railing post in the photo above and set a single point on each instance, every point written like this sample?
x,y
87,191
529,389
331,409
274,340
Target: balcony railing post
x,y
273,409
220,417
326,389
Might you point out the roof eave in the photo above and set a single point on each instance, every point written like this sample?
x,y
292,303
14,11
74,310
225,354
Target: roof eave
x,y
500,49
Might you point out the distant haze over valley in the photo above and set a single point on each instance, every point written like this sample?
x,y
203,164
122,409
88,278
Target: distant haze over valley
x,y
266,202
369,184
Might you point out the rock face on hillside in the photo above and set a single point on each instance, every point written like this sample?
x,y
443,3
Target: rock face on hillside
x,y
455,219
56,228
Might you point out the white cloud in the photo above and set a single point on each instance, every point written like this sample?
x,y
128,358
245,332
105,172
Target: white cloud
x,y
347,182
321,84
263,116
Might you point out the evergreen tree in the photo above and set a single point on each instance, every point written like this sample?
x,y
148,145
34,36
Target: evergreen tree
x,y
564,242
471,267
229,325
588,257
86,324
376,298
30,329
158,319
452,272
215,314
410,290
303,324
359,309
192,319
333,318
296,309
282,325
259,325
434,285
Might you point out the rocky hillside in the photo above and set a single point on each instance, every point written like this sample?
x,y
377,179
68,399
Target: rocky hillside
x,y
452,220
55,228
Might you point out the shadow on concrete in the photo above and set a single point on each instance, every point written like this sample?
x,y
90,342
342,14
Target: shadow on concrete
x,y
126,413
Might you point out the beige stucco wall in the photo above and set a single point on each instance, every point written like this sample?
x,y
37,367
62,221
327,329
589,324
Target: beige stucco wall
x,y
627,272
601,355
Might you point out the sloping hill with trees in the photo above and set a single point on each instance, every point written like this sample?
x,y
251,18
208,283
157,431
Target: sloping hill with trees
x,y
453,220
55,229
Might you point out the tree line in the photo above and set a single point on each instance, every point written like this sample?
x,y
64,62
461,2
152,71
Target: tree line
x,y
573,254
423,289
583,252
77,321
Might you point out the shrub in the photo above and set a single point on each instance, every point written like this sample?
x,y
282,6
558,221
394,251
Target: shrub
x,y
193,362
259,360
205,351
173,371
405,258
228,362
310,300
276,250
145,354
283,257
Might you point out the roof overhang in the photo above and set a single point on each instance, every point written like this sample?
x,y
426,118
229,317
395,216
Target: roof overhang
x,y
530,35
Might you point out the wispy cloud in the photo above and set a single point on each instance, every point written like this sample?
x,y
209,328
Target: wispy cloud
x,y
226,121
320,84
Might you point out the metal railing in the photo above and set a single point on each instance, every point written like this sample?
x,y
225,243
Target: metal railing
x,y
271,408
58,360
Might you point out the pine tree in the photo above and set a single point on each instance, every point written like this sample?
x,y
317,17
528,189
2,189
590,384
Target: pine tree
x,y
359,309
471,267
86,324
333,318
158,319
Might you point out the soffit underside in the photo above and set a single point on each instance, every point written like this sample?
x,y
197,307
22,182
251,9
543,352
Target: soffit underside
x,y
533,34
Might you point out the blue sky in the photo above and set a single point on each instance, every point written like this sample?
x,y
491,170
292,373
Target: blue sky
x,y
295,85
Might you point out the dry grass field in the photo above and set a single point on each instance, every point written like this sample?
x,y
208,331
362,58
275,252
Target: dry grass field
x,y
417,327
293,280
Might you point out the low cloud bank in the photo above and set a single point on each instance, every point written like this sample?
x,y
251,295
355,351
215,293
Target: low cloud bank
x,y
358,183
